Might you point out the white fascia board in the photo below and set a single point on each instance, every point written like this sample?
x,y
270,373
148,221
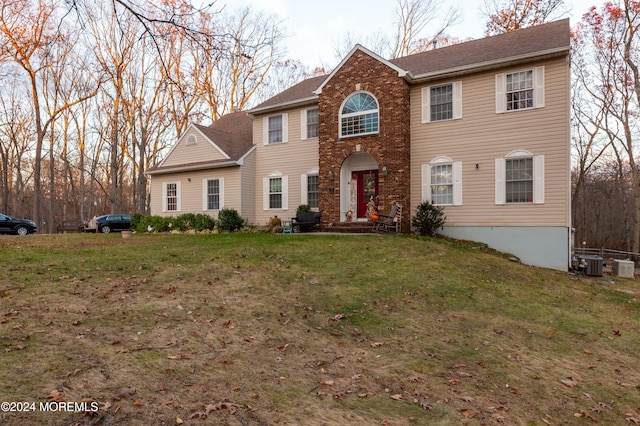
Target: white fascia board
x,y
285,105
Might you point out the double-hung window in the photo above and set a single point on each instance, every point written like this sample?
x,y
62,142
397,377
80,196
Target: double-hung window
x,y
309,123
520,90
213,194
275,192
520,178
359,115
171,197
442,182
442,102
310,188
313,191
275,129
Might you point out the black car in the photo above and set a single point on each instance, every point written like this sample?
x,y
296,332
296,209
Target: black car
x,y
9,225
109,222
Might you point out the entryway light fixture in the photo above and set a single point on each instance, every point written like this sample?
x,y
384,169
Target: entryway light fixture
x,y
384,170
331,174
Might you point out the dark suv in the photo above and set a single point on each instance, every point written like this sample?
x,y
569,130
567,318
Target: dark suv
x,y
108,223
9,225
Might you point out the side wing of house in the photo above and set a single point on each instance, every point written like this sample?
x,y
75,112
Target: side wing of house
x,y
197,191
499,162
208,169
286,161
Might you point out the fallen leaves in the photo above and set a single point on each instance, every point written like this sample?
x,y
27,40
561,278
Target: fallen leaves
x,y
220,406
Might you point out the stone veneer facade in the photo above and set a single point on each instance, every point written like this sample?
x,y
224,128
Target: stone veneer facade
x,y
390,146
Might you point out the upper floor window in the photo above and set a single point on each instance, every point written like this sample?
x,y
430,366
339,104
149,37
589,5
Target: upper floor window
x,y
520,90
310,123
275,129
443,102
359,115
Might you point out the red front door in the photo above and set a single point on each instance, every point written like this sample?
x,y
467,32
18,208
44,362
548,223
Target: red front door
x,y
367,189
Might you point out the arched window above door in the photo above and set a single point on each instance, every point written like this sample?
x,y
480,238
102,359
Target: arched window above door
x,y
359,115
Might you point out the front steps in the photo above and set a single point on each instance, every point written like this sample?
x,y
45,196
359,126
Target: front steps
x,y
348,227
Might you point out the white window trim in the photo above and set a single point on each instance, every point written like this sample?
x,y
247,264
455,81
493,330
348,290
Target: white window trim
x,y
285,129
285,191
303,124
456,169
304,185
205,193
457,102
355,114
164,197
538,90
538,177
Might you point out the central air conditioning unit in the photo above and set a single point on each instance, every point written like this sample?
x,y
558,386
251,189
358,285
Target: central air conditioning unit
x,y
624,268
590,264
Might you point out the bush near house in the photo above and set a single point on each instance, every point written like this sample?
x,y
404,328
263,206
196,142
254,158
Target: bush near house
x,y
230,220
428,218
184,222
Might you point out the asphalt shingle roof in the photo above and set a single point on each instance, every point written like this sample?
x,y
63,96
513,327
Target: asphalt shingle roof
x,y
527,42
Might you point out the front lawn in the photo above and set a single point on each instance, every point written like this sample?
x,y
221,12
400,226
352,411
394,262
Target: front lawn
x,y
264,329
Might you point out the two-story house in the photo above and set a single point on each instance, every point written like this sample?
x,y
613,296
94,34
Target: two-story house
x,y
480,128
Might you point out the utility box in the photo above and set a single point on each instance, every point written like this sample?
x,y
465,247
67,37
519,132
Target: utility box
x,y
624,268
590,264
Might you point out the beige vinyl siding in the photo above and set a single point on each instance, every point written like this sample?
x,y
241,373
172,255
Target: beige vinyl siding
x,y
291,159
481,136
186,154
248,188
191,191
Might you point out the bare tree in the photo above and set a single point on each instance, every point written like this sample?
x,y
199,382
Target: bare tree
x,y
249,51
28,33
511,15
610,37
413,17
16,134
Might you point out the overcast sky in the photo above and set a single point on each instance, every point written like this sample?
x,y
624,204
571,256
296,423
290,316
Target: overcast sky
x,y
316,27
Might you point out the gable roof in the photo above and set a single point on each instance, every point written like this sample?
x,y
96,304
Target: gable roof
x,y
231,134
401,72
539,42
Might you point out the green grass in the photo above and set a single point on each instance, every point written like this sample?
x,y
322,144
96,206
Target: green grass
x,y
310,329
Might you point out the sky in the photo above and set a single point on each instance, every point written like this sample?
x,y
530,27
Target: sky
x,y
316,27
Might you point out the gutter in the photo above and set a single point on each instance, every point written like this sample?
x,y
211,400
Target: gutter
x,y
192,167
284,105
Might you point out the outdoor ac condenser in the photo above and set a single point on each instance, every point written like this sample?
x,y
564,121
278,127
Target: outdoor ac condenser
x,y
623,268
592,265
